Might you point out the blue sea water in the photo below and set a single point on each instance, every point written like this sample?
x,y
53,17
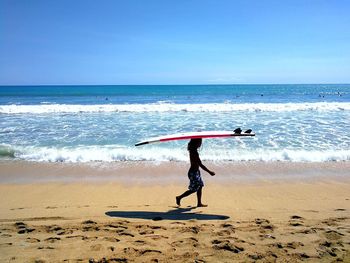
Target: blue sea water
x,y
308,123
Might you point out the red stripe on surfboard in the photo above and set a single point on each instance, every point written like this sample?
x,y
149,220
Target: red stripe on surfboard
x,y
194,137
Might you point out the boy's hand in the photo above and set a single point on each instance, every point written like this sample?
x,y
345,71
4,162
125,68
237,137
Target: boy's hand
x,y
211,173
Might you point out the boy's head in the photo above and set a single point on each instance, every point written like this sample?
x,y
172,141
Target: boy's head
x,y
194,144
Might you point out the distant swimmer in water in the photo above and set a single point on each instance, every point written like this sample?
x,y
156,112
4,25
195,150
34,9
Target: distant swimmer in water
x,y
196,182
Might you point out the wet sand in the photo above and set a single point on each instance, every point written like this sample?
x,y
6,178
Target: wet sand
x,y
126,213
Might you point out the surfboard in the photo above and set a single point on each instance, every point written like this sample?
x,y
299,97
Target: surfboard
x,y
194,135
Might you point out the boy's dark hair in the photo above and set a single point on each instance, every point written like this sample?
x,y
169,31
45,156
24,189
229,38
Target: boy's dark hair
x,y
194,144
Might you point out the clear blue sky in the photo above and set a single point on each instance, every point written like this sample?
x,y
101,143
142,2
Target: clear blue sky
x,y
174,42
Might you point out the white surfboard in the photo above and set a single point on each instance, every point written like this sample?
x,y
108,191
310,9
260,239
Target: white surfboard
x,y
194,135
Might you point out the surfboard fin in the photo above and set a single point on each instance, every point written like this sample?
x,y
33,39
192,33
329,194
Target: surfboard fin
x,y
248,131
238,131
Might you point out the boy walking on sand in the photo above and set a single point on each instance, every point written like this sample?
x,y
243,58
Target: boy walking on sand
x,y
196,182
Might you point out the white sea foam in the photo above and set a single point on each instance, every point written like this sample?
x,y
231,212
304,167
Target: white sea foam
x,y
171,107
116,153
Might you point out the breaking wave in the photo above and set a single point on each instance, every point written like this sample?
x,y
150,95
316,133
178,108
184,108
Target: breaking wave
x,y
112,153
171,107
6,151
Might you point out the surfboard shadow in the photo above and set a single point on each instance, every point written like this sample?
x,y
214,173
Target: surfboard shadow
x,y
175,214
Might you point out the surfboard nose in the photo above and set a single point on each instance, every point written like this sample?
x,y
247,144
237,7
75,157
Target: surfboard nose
x,y
141,143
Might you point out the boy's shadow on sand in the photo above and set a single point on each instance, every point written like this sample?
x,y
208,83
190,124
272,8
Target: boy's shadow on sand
x,y
175,214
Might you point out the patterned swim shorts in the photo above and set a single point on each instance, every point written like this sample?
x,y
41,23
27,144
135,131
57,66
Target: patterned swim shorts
x,y
195,180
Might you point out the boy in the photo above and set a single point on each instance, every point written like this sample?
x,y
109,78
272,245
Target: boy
x,y
196,182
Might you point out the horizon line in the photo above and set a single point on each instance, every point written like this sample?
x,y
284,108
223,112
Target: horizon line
x,y
203,84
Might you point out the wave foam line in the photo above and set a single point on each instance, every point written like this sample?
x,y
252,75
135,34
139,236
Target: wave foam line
x,y
112,153
170,107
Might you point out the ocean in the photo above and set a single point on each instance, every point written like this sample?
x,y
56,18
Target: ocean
x,y
74,124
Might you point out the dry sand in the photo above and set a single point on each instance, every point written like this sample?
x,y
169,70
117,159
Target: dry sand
x,y
256,212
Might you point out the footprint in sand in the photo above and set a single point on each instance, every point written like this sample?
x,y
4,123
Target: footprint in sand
x,y
227,230
53,228
140,252
333,235
65,232
96,247
150,251
294,245
255,257
177,223
22,228
296,217
89,238
124,233
301,256
20,224
307,231
102,260
146,232
260,221
89,222
266,236
226,245
115,226
157,237
90,228
191,229
225,225
296,220
90,225
264,224
139,242
111,239
158,227
326,244
331,221
32,240
46,247
130,250
276,245
52,239
77,236
186,242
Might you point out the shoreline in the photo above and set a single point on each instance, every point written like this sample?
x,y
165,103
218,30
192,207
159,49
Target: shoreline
x,y
24,172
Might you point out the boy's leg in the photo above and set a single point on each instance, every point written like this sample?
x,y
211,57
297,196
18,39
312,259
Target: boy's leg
x,y
187,193
199,198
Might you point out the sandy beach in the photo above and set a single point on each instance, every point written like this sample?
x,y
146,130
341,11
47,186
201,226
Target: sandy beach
x,y
129,215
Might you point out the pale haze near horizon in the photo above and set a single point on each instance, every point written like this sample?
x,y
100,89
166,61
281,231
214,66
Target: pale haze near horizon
x,y
174,42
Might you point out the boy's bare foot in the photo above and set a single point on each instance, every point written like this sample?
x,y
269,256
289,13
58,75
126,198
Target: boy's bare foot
x,y
178,199
201,205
